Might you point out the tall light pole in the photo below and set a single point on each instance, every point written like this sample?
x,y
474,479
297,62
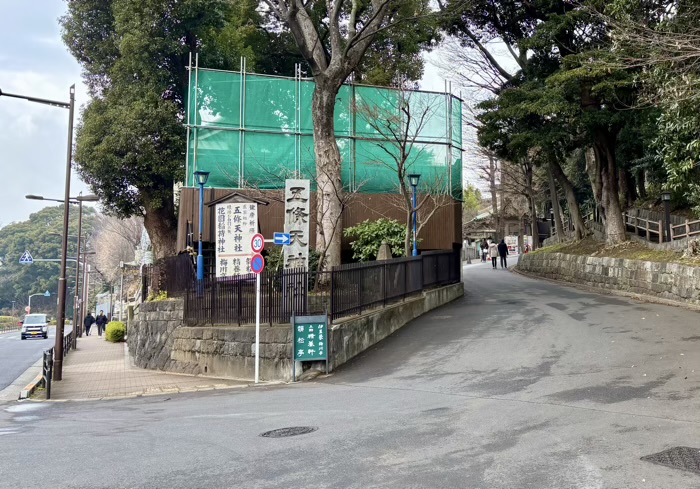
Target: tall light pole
x,y
61,319
45,294
77,311
201,177
666,197
413,179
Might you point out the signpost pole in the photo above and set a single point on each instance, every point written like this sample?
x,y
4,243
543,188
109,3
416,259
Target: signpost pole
x,y
294,349
257,328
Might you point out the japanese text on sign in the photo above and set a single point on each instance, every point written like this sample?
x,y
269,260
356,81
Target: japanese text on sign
x,y
297,206
236,224
310,341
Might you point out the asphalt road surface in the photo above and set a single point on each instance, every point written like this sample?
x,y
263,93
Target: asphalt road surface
x,y
521,384
16,355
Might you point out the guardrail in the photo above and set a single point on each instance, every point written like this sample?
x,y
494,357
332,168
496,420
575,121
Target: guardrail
x,y
47,364
4,328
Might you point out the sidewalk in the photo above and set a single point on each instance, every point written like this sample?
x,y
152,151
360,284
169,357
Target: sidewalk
x,y
99,369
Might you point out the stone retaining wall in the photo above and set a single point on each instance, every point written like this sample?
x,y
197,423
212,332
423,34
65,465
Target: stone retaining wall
x,y
670,281
159,339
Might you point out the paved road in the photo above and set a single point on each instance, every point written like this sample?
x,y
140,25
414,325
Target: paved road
x,y
521,384
16,355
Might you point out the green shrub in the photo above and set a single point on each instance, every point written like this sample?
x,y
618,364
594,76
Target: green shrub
x,y
368,236
160,296
116,331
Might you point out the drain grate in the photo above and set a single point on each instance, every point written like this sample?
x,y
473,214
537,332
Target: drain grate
x,y
684,458
292,431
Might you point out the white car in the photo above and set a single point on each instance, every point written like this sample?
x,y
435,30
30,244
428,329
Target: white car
x,y
35,325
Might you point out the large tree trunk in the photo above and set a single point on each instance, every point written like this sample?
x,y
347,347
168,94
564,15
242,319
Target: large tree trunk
x,y
592,164
602,170
330,188
535,228
610,199
409,233
628,187
494,196
574,209
555,203
161,224
641,182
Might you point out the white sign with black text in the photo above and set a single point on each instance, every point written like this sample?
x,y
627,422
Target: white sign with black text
x,y
297,209
236,224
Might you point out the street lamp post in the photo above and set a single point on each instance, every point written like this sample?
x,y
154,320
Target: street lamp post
x,y
666,197
45,294
201,177
414,179
77,310
61,319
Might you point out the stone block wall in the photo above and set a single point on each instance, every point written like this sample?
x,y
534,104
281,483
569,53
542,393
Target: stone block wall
x,y
671,281
159,340
151,334
229,351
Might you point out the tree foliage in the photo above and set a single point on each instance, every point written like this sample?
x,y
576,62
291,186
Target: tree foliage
x,y
134,55
368,236
471,201
40,235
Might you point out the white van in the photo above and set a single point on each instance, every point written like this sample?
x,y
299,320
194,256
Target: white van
x,y
35,325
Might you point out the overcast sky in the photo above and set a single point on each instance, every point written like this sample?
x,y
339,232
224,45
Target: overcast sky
x,y
34,61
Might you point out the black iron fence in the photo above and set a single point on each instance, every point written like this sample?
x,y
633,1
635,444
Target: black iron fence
x,y
47,364
173,275
344,291
47,371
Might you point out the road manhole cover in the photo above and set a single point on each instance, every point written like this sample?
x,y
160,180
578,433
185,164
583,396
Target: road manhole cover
x,y
293,431
684,458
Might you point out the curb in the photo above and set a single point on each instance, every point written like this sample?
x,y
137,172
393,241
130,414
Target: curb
x,y
30,388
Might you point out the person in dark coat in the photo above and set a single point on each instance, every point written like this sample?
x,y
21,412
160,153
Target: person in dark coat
x,y
88,322
101,323
503,251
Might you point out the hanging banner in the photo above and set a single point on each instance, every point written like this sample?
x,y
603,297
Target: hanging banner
x,y
236,224
297,208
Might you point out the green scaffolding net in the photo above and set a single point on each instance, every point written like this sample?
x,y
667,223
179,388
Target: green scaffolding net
x,y
251,130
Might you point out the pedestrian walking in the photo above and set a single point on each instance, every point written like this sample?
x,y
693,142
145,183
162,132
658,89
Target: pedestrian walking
x,y
101,323
493,254
88,322
503,251
484,250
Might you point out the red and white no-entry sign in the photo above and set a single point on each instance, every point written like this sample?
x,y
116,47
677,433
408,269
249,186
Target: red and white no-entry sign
x,y
258,243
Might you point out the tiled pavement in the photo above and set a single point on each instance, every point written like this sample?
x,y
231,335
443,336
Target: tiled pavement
x,y
99,369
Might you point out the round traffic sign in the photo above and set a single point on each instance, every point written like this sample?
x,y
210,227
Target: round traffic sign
x,y
257,263
258,243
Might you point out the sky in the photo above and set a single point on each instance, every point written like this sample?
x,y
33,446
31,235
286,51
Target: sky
x,y
34,61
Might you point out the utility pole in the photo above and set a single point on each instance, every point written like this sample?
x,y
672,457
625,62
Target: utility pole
x,y
61,319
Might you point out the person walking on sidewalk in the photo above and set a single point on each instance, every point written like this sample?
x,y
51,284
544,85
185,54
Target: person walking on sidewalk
x,y
101,323
88,322
503,251
493,253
